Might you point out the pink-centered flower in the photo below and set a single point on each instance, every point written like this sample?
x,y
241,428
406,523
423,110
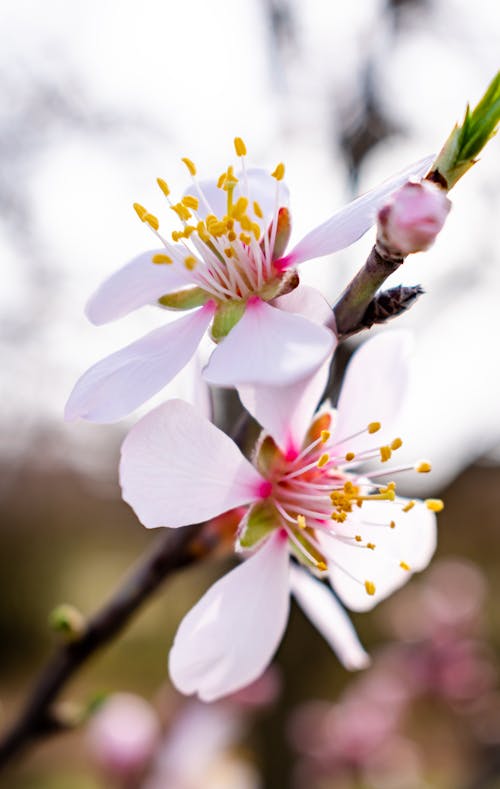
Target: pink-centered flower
x,y
306,498
226,267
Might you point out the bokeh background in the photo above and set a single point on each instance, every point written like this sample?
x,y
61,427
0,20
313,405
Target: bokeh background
x,y
100,98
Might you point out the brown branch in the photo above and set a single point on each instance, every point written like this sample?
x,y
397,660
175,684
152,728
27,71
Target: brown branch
x,y
174,550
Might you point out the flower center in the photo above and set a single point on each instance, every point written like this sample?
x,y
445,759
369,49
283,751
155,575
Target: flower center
x,y
229,256
319,495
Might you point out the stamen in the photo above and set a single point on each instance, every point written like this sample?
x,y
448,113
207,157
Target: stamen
x,y
385,454
405,566
257,210
190,165
190,262
374,427
301,522
163,186
423,467
323,460
160,259
350,456
434,505
190,202
370,587
371,546
397,443
325,435
279,172
409,506
240,147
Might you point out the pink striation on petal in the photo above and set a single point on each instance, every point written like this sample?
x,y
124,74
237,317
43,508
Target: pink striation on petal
x,y
351,222
270,347
229,638
319,604
177,468
118,384
138,283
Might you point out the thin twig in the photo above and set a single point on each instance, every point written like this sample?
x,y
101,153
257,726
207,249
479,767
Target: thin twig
x,y
174,550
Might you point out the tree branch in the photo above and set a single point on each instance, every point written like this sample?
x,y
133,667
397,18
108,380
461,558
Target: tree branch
x,y
174,550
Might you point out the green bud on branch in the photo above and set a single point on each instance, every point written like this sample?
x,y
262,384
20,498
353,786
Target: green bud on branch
x,y
68,621
467,141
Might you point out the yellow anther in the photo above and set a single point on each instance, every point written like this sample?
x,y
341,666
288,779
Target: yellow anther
x,y
279,172
371,546
229,252
245,239
232,236
339,517
385,454
349,488
321,566
246,223
140,211
151,220
301,522
240,147
176,235
182,212
391,486
229,222
159,258
190,201
256,230
405,566
163,186
240,207
210,219
424,467
325,457
202,231
396,443
358,538
350,456
222,180
190,262
257,210
325,435
409,506
190,165
434,505
188,231
374,427
370,587
392,524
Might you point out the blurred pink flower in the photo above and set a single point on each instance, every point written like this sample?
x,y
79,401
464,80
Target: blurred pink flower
x,y
305,496
413,216
226,267
122,735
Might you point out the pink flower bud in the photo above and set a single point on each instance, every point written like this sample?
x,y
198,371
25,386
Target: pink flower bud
x,y
411,219
123,735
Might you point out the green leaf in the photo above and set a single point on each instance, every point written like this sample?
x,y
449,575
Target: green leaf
x,y
185,299
465,142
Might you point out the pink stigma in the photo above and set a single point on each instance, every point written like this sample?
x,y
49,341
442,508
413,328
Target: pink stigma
x,y
265,488
253,301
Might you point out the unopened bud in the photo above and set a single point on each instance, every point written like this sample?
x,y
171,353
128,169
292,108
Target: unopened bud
x,y
412,218
67,620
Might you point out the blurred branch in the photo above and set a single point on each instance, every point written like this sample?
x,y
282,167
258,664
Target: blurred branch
x,y
176,549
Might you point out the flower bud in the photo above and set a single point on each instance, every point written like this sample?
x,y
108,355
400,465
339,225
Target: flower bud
x,y
122,736
411,219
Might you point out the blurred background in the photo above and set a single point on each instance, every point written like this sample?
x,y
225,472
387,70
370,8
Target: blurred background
x,y
100,98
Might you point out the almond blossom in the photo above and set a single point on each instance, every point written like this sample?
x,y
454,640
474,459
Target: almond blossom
x,y
312,509
226,267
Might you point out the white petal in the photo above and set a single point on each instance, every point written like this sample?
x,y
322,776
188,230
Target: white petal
x,y
286,411
270,347
261,188
177,468
374,390
353,220
118,384
230,636
138,283
306,301
320,606
412,540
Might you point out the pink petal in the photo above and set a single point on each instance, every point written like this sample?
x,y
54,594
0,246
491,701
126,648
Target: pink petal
x,y
269,347
230,636
286,411
412,540
327,615
353,220
177,468
118,384
137,283
373,390
261,187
